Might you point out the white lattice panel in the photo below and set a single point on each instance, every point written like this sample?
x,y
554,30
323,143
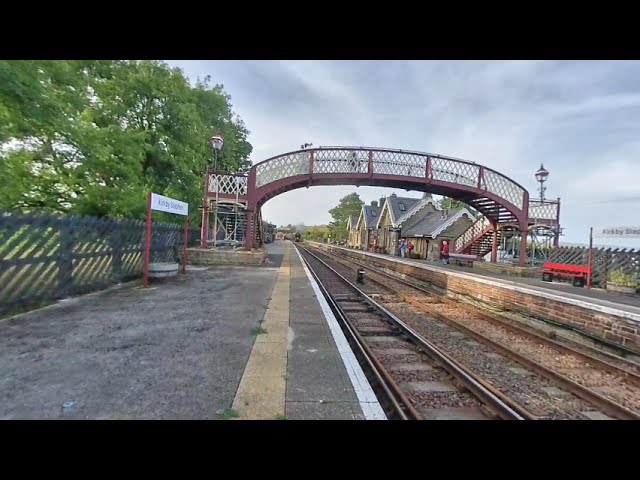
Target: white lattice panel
x,y
454,172
398,163
503,187
543,210
340,161
329,160
282,167
472,232
228,184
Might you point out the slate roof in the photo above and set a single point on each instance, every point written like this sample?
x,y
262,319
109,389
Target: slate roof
x,y
433,223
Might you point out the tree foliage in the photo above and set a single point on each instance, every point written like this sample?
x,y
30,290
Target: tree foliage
x,y
94,137
447,203
349,205
316,232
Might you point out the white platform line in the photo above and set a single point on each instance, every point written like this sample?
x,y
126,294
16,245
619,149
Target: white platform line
x,y
368,402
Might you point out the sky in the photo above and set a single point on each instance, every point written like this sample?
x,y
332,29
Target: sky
x,y
580,118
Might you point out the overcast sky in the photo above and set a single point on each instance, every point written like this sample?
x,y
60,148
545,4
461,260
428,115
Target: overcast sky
x,y
582,119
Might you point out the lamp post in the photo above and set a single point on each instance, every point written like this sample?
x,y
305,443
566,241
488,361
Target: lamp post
x,y
541,176
216,142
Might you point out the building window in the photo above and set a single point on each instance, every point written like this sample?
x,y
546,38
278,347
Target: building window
x,y
401,207
373,213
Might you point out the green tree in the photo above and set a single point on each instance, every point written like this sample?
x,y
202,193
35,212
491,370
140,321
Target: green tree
x,y
447,203
316,232
94,137
349,205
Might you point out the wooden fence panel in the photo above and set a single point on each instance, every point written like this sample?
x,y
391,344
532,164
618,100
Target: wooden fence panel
x,y
605,260
47,257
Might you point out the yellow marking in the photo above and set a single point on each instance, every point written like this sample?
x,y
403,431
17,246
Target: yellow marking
x,y
262,389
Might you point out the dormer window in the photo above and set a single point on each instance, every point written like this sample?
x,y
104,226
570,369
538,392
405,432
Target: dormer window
x,y
373,213
401,207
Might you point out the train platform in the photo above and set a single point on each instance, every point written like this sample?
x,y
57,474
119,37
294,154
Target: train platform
x,y
592,296
217,343
302,367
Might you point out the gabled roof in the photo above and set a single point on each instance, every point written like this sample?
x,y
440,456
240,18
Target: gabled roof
x,y
395,206
360,217
352,222
427,199
432,224
371,214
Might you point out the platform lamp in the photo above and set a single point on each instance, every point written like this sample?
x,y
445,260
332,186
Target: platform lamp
x,y
541,176
216,143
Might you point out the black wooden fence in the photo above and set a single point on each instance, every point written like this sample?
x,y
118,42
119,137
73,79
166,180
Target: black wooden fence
x,y
45,257
604,261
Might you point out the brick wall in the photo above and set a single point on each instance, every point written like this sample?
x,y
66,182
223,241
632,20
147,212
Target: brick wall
x,y
198,256
508,269
617,328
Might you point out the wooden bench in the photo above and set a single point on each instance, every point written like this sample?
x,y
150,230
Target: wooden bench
x,y
462,257
578,273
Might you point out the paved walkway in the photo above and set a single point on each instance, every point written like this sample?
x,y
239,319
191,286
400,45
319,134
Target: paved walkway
x,y
301,367
173,351
186,348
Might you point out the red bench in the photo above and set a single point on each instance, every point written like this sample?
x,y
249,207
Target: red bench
x,y
462,257
578,273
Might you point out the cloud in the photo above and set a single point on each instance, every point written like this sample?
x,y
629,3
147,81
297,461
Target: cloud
x,y
580,118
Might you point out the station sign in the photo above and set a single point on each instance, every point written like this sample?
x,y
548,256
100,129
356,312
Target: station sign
x,y
169,205
617,232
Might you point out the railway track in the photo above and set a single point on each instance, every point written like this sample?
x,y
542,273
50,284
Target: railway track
x,y
414,379
547,378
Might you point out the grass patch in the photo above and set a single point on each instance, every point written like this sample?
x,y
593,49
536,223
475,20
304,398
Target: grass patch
x,y
26,308
258,331
228,414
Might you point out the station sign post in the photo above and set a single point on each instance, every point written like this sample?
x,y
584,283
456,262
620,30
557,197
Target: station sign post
x,y
168,205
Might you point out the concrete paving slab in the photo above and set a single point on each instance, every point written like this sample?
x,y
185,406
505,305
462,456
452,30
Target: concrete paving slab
x,y
261,393
174,351
323,411
317,382
311,336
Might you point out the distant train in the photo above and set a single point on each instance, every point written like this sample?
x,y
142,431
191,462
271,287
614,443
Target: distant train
x,y
294,237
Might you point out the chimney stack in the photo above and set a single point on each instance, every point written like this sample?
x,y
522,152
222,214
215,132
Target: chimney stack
x,y
374,203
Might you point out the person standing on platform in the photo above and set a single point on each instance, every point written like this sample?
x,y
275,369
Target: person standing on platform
x,y
444,252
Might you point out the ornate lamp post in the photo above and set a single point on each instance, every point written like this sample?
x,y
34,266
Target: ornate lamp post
x,y
216,142
541,176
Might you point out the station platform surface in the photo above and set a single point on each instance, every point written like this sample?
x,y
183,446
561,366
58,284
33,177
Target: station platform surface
x,y
630,304
186,348
323,379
